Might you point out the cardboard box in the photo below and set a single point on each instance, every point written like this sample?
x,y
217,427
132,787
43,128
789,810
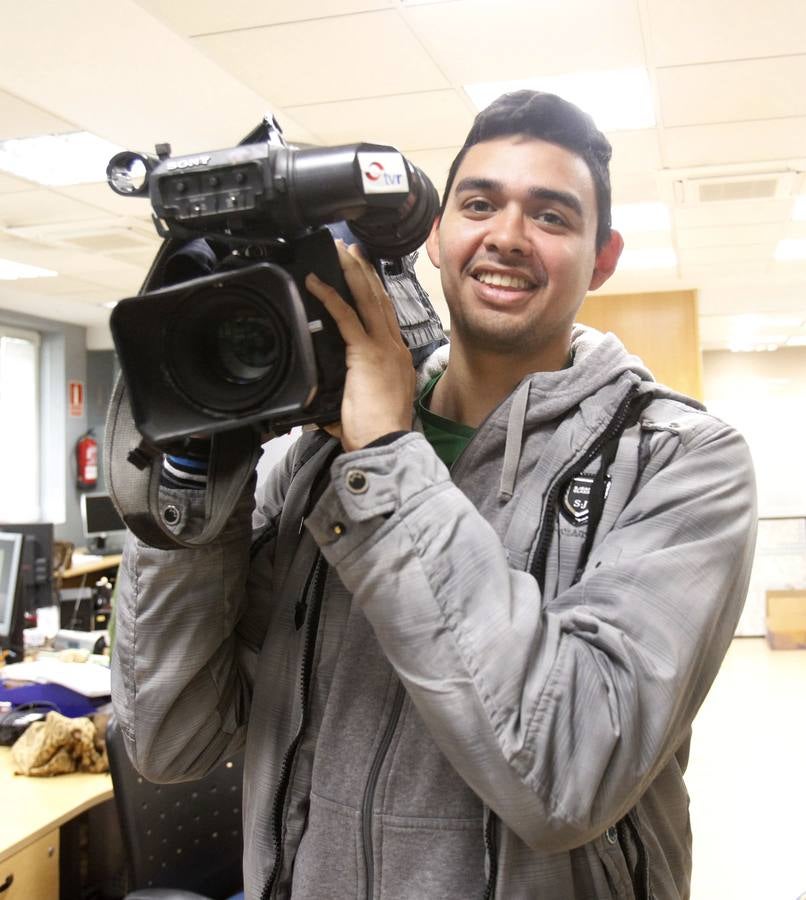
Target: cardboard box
x,y
786,619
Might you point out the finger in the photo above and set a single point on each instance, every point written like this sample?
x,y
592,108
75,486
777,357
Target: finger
x,y
365,293
388,306
345,317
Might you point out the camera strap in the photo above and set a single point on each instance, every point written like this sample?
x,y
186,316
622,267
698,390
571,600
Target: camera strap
x,y
133,467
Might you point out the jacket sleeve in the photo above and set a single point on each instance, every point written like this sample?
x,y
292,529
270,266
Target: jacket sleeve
x,y
187,638
557,715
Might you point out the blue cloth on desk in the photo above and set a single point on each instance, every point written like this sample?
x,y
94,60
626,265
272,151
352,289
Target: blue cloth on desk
x,y
68,703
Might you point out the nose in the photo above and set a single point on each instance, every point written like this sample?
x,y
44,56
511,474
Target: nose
x,y
507,232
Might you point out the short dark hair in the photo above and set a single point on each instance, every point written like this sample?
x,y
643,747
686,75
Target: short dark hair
x,y
550,118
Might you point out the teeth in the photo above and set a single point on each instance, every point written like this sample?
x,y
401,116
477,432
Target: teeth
x,y
508,281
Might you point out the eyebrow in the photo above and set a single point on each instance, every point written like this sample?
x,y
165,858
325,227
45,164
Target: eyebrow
x,y
570,201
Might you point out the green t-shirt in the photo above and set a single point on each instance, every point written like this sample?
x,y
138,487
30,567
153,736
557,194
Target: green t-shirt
x,y
448,438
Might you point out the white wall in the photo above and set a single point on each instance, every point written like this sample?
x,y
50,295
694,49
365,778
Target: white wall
x,y
764,396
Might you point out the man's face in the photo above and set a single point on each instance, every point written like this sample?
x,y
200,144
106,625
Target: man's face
x,y
516,246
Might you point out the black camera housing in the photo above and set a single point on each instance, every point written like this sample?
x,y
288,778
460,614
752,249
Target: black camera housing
x,y
178,383
247,345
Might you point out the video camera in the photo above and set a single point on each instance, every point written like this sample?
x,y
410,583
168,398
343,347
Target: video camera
x,y
247,344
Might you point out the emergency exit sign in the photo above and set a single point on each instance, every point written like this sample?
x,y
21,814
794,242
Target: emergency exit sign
x,y
75,398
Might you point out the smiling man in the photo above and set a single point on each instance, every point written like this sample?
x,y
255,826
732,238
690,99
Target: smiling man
x,y
465,645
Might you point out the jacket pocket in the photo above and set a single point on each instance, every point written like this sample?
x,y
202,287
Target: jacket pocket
x,y
625,860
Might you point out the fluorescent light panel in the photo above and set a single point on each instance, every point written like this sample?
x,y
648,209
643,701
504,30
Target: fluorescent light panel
x,y
632,217
791,249
618,99
58,159
648,258
13,271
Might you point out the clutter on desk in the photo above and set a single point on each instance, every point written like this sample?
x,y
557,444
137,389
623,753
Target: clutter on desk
x,y
59,745
92,678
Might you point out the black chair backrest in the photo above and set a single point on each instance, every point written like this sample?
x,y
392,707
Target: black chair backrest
x,y
187,835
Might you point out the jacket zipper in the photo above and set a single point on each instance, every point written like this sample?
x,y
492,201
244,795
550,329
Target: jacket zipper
x,y
538,567
372,782
492,854
313,593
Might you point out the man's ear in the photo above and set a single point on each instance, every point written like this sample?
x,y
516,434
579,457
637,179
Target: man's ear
x,y
606,260
432,243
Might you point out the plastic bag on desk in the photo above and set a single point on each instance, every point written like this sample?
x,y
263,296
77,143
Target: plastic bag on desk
x,y
59,745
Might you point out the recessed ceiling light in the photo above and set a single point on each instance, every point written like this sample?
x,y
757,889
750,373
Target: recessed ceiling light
x,y
12,271
618,99
648,258
642,217
58,159
790,249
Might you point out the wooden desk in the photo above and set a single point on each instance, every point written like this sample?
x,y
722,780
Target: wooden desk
x,y
33,809
78,575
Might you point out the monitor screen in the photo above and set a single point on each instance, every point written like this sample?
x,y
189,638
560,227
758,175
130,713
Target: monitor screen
x,y
36,561
99,515
10,613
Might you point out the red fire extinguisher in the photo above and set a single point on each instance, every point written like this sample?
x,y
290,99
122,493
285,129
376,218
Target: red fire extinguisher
x,y
87,460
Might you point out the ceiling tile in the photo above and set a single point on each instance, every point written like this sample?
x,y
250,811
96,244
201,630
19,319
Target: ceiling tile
x,y
732,91
693,31
435,163
373,54
735,142
478,40
9,184
635,188
105,85
193,18
406,121
634,152
19,119
42,206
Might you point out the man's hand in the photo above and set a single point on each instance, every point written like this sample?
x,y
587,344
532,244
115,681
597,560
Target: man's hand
x,y
379,387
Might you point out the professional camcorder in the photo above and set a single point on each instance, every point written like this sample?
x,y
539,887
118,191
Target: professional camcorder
x,y
224,333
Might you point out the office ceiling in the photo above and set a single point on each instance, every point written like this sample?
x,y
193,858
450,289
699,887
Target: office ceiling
x,y
727,154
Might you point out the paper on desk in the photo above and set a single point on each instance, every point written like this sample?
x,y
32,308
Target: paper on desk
x,y
89,679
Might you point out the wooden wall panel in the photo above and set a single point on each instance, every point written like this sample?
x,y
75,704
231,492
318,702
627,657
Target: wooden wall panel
x,y
660,327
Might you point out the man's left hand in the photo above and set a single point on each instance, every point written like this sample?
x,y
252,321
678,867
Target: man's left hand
x,y
379,386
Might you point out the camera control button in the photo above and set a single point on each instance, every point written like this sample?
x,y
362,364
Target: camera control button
x,y
356,481
171,515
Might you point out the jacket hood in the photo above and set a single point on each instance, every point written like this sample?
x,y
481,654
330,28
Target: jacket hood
x,y
597,360
601,372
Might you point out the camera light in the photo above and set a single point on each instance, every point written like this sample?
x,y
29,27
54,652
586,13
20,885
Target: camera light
x,y
127,174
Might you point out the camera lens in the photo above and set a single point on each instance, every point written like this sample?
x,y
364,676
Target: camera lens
x,y
247,348
229,344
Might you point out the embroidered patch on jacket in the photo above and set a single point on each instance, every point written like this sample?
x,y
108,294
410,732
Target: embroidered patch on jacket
x,y
575,505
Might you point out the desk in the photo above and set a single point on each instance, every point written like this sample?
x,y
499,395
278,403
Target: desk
x,y
33,809
76,576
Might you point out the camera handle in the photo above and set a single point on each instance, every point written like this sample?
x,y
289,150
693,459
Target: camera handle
x,y
133,468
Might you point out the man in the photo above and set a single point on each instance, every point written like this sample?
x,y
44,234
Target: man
x,y
477,682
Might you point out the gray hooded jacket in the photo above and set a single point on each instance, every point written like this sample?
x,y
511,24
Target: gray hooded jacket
x,y
438,701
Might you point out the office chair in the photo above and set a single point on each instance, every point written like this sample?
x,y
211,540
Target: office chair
x,y
183,841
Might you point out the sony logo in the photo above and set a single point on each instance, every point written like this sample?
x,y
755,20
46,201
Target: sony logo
x,y
189,162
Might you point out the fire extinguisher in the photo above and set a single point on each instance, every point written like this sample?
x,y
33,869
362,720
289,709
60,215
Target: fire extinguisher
x,y
87,460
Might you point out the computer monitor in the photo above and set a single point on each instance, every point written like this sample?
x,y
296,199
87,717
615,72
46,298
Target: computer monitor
x,y
36,562
11,599
103,527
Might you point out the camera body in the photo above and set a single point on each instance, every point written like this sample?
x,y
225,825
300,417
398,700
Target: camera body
x,y
246,344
